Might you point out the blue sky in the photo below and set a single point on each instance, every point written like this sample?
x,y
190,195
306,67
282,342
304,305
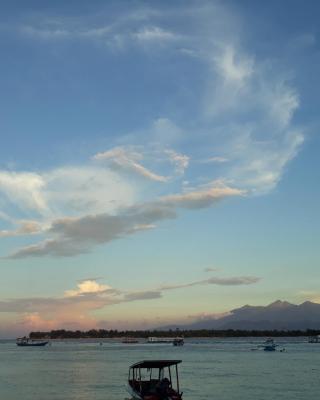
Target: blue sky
x,y
158,160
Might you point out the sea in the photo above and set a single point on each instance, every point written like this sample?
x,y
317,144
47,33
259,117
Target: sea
x,y
211,369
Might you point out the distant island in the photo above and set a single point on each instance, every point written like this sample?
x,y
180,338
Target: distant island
x,y
201,333
279,318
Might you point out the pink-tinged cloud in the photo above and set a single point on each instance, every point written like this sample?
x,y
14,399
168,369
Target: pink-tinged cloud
x,y
74,310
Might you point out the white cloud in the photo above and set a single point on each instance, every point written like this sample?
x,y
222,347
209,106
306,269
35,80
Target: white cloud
x,y
181,161
65,190
254,107
260,164
234,68
24,189
87,188
88,286
154,34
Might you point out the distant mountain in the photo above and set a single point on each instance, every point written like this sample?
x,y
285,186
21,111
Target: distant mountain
x,y
279,315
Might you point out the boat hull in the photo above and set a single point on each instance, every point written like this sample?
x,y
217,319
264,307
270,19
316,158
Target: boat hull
x,y
133,393
136,396
32,344
269,348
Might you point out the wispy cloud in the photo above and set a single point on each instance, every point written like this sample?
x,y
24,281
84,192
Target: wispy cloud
x,y
25,228
25,189
76,235
245,108
181,161
211,269
154,34
239,127
215,159
64,190
234,281
128,160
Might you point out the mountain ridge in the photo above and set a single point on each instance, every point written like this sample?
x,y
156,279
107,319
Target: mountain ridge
x,y
278,315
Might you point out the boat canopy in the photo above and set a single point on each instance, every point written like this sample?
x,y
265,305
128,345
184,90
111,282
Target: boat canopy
x,y
155,363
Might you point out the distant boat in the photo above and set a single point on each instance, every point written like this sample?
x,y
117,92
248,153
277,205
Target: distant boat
x,y
269,345
154,380
178,342
24,342
163,339
314,339
129,340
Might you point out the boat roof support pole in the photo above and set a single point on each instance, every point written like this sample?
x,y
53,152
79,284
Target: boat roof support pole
x,y
177,379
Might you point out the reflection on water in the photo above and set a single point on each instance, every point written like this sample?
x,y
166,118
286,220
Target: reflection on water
x,y
211,369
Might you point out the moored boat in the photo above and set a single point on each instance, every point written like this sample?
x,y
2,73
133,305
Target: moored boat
x,y
24,342
269,345
152,339
314,339
178,342
129,340
154,380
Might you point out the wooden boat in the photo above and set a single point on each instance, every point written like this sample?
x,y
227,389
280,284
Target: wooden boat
x,y
154,380
25,342
129,340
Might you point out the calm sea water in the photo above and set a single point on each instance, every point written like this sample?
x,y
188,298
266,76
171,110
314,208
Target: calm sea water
x,y
211,369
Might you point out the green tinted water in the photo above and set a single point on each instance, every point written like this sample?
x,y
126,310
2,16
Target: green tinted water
x,y
211,369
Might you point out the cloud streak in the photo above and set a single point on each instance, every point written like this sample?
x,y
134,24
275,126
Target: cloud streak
x,y
75,307
128,161
79,234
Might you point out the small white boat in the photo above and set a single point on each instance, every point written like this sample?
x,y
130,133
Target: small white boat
x,y
152,339
154,380
314,339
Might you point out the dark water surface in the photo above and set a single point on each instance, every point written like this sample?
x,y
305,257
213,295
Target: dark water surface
x,y
222,369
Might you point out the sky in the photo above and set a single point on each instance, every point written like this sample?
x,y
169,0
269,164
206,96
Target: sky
x,y
159,160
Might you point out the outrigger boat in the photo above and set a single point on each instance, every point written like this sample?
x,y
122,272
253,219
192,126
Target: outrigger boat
x,y
153,380
269,345
24,342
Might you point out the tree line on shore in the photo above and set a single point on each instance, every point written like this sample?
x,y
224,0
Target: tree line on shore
x,y
206,333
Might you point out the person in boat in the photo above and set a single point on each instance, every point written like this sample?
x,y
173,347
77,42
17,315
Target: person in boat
x,y
162,388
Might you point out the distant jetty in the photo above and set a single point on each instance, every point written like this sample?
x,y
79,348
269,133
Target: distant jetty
x,y
202,333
